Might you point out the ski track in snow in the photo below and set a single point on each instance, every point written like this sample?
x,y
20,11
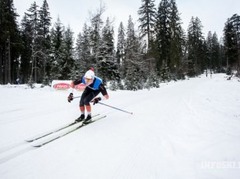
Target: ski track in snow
x,y
14,152
173,131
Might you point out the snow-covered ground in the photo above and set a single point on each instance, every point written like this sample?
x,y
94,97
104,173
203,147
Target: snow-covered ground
x,y
184,130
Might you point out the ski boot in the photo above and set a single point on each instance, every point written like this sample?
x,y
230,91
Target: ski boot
x,y
88,119
81,118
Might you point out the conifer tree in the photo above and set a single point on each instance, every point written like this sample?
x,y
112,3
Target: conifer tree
x,y
169,42
68,63
147,13
26,53
176,42
120,54
133,64
232,43
107,63
10,42
208,63
216,57
44,33
83,50
213,62
32,19
56,50
95,36
163,39
196,53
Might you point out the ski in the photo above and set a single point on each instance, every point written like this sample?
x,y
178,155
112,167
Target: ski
x,y
55,131
68,132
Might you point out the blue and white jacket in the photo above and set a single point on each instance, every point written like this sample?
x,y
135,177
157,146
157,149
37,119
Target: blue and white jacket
x,y
97,84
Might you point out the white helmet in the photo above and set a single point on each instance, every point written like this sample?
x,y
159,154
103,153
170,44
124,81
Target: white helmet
x,y
89,74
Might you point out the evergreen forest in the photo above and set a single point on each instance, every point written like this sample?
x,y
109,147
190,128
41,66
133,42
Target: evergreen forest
x,y
37,50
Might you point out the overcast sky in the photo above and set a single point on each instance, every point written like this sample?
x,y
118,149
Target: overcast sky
x,y
212,13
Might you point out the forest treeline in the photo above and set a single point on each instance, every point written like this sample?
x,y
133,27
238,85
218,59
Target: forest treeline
x,y
37,50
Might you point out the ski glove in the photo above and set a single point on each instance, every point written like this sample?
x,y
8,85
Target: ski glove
x,y
96,100
70,97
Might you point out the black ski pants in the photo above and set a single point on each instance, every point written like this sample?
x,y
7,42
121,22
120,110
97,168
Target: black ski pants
x,y
87,95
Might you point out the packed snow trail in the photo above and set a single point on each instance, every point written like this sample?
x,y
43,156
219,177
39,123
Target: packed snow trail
x,y
186,129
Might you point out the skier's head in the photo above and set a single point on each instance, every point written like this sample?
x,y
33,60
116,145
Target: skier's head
x,y
89,76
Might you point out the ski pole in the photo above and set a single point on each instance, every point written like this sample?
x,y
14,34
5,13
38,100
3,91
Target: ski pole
x,y
115,108
76,97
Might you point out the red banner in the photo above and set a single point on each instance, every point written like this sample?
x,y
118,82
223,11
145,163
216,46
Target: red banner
x,y
61,86
80,87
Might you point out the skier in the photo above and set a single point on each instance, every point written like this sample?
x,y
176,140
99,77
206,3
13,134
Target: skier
x,y
94,86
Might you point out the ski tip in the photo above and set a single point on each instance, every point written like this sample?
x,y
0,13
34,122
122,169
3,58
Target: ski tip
x,y
28,140
36,146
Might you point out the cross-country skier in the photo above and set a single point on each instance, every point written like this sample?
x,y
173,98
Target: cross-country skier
x,y
94,86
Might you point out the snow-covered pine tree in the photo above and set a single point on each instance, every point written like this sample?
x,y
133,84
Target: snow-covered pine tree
x,y
68,63
108,68
25,66
195,45
213,60
82,51
32,17
176,43
216,55
120,44
44,33
232,43
163,35
147,19
95,36
133,64
147,13
120,54
10,42
169,40
56,50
